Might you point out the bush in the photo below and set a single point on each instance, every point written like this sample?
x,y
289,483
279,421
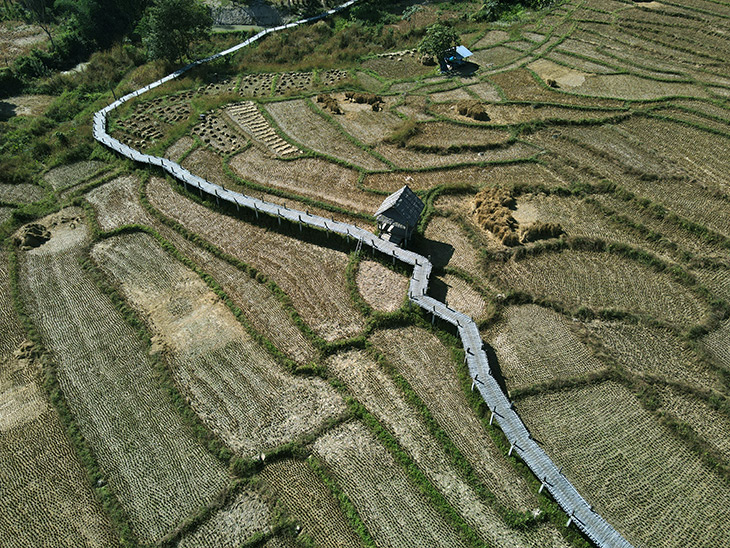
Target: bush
x,y
403,133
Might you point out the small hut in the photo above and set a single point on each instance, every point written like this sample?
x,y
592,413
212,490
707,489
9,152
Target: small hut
x,y
398,215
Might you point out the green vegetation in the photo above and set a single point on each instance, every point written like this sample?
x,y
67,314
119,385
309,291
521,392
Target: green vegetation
x,y
169,27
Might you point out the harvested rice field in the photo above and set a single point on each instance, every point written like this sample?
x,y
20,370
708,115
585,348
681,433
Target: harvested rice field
x,y
21,193
246,515
311,177
309,129
383,289
641,478
597,280
391,507
323,301
116,203
655,352
307,499
425,362
176,371
73,174
536,345
161,475
221,363
380,395
406,158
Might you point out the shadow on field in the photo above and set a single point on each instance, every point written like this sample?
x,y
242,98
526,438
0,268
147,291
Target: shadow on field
x,y
7,111
439,253
437,288
466,70
495,367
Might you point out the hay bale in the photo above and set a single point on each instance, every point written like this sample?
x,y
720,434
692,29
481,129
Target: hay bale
x,y
472,109
492,212
541,231
330,103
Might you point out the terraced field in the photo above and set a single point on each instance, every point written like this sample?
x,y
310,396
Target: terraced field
x,y
160,475
353,425
323,302
211,355
634,468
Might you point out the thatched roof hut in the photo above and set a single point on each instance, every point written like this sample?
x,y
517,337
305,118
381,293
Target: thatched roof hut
x,y
398,215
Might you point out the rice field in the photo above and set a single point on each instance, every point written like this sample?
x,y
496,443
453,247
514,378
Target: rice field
x,y
383,289
579,218
307,500
461,295
322,301
213,358
206,163
536,345
708,423
444,135
716,344
451,246
395,512
409,159
73,174
654,352
636,474
46,496
392,181
297,120
21,193
598,281
588,102
362,122
160,475
374,389
116,203
311,177
426,364
232,525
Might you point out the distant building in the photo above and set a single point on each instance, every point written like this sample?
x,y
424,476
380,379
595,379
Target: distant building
x,y
453,57
398,215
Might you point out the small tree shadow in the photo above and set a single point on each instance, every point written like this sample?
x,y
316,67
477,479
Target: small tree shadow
x,y
7,111
466,70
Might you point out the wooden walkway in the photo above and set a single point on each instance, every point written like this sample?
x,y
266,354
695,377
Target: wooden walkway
x,y
579,511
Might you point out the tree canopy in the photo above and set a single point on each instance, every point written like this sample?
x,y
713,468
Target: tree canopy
x,y
438,39
170,26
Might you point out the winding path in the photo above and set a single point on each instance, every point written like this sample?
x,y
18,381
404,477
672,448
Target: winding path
x,y
579,511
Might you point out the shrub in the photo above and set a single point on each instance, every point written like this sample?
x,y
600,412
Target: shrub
x,y
403,133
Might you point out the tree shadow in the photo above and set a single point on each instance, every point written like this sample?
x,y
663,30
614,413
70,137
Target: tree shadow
x,y
466,70
7,111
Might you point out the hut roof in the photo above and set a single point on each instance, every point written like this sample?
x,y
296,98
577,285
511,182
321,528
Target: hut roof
x,y
403,207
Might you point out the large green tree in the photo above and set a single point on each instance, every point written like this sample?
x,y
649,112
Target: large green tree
x,y
171,26
438,39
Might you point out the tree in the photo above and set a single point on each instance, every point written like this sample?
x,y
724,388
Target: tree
x,y
40,12
438,39
171,26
